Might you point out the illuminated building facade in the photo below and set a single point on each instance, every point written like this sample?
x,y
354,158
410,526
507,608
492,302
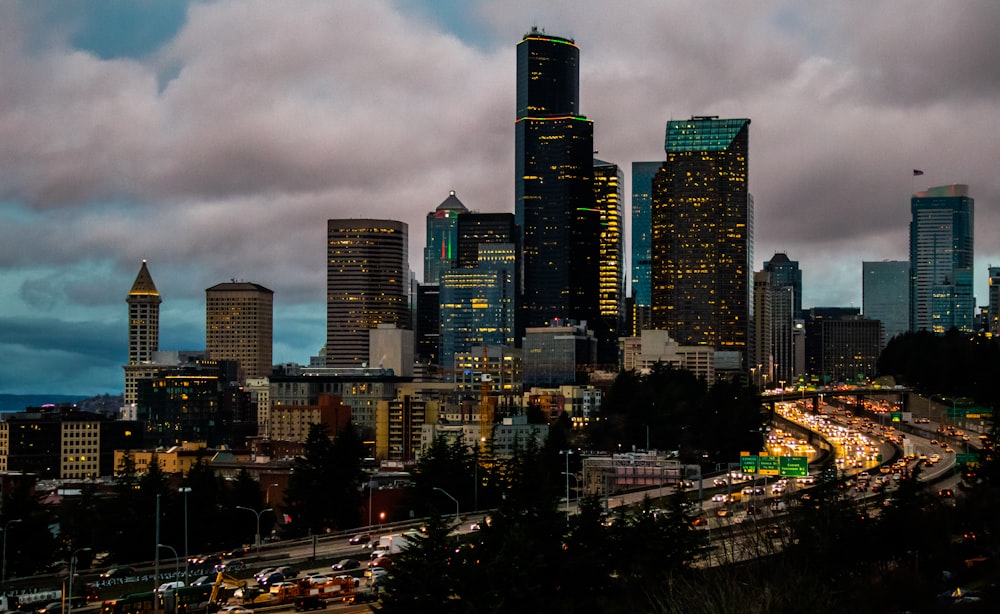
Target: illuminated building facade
x,y
238,326
702,235
993,311
367,281
554,196
608,180
941,259
143,329
478,305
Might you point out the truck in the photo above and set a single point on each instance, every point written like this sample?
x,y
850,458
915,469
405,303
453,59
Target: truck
x,y
318,596
393,543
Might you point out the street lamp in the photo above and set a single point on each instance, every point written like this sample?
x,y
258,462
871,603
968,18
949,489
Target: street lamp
x,y
177,569
567,453
184,490
6,527
576,481
69,591
452,498
257,514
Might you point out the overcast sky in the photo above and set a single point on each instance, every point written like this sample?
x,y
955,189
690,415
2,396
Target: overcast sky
x,y
214,139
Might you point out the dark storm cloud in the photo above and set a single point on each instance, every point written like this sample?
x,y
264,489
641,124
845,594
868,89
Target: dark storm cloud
x,y
219,152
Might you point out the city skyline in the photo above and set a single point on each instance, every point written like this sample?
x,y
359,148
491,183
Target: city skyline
x,y
218,152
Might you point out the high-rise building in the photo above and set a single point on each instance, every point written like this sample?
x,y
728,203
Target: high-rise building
x,y
143,329
840,345
702,235
478,305
608,180
441,250
642,205
993,311
367,281
941,259
761,353
553,189
785,272
238,326
885,296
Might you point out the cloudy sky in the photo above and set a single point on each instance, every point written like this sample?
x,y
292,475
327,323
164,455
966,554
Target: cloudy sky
x,y
214,138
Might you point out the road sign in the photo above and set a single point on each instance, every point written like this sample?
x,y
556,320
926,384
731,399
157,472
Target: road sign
x,y
748,463
794,466
970,458
768,465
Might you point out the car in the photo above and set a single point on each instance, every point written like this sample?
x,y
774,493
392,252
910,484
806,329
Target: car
x,y
720,498
168,588
203,580
360,539
382,561
229,565
474,526
344,564
356,580
271,579
288,572
316,578
118,572
54,607
377,576
719,482
946,493
264,572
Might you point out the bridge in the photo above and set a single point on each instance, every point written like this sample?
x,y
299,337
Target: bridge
x,y
817,393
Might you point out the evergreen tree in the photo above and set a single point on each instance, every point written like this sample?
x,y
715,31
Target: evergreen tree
x,y
422,578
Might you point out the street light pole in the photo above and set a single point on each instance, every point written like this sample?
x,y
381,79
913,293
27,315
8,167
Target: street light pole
x,y
177,567
69,582
452,498
567,453
257,514
6,527
184,490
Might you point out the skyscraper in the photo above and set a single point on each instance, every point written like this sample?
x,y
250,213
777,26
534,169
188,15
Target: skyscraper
x,y
143,329
702,235
642,204
885,296
993,311
238,326
441,250
608,179
785,272
367,281
941,259
554,196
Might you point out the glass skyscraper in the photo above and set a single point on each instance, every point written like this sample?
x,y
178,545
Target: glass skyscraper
x,y
608,179
702,235
642,203
941,259
885,296
554,195
441,249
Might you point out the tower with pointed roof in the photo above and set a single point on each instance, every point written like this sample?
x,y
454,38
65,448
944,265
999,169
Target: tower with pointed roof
x,y
441,251
143,328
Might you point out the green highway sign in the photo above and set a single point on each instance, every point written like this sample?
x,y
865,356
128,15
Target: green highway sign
x,y
748,463
970,458
794,466
768,465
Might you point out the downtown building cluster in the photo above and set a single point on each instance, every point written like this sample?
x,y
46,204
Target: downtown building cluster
x,y
528,311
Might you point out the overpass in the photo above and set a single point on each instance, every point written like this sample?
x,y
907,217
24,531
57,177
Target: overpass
x,y
818,393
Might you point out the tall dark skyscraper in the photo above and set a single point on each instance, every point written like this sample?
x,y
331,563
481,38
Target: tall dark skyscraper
x,y
554,194
941,259
441,250
642,203
702,244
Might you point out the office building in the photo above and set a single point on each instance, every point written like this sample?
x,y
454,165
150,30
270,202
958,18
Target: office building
x,y
475,229
885,296
840,345
786,273
702,235
608,180
367,284
642,206
762,342
441,249
143,329
941,259
553,189
993,310
554,354
478,305
428,332
63,442
238,326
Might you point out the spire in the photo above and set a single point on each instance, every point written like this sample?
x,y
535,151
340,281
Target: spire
x,y
144,285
